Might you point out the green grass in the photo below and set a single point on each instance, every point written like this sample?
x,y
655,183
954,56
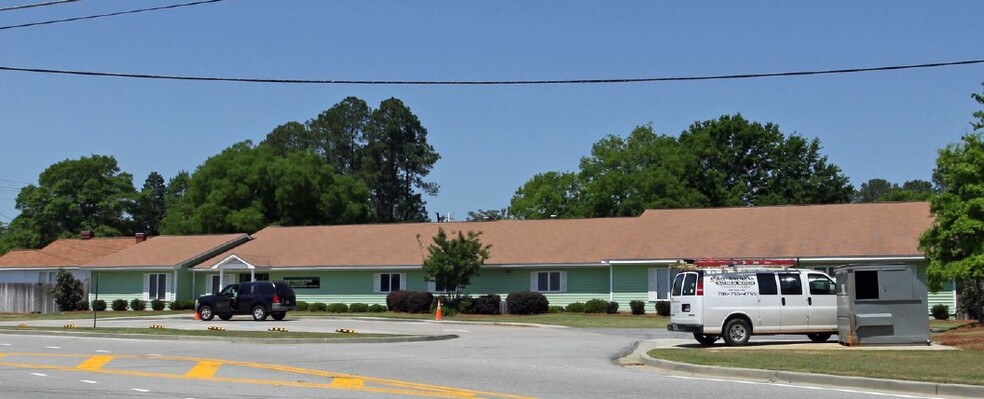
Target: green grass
x,y
203,332
960,367
88,315
945,325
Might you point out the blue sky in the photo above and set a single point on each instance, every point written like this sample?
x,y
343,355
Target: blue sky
x,y
491,139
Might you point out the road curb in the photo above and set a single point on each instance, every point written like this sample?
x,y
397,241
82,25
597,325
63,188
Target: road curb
x,y
927,388
349,340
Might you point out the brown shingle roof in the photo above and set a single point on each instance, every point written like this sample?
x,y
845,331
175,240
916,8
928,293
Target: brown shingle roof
x,y
66,252
782,231
168,251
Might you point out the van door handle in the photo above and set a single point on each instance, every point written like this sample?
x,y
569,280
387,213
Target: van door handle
x,y
783,301
809,301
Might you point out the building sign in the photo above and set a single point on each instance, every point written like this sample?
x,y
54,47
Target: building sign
x,y
303,282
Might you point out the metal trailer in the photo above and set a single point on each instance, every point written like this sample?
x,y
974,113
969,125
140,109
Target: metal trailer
x,y
881,304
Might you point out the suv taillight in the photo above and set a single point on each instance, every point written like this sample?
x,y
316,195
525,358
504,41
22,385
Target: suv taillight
x,y
700,286
276,298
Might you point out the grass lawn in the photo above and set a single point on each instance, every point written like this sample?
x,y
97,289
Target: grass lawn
x,y
88,315
204,332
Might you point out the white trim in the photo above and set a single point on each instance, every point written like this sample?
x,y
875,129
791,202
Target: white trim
x,y
861,259
611,282
129,269
535,281
643,262
377,288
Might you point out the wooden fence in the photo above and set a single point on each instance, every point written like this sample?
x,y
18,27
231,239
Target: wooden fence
x,y
27,298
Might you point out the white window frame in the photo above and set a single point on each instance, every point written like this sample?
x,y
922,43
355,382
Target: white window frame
x,y
377,280
212,277
168,281
660,277
535,281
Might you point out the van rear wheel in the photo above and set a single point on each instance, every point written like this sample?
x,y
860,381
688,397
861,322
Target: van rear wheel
x,y
820,337
704,339
737,332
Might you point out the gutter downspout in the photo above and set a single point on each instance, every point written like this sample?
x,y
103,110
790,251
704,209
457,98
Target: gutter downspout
x,y
611,281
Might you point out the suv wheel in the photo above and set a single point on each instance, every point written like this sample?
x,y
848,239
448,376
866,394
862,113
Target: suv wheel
x,y
737,332
819,337
259,313
206,313
279,315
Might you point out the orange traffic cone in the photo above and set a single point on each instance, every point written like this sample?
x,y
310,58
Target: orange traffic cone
x,y
198,317
439,316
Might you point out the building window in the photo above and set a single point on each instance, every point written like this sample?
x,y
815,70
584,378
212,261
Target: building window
x,y
388,282
246,277
156,286
548,281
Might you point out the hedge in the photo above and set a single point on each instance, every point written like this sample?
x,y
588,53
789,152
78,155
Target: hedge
x,y
527,303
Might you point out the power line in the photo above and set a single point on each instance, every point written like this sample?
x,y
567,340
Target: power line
x,y
50,3
112,14
15,181
488,82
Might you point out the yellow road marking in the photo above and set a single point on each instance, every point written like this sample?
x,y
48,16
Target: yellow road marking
x,y
94,363
348,383
204,369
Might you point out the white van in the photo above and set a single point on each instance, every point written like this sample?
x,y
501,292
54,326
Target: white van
x,y
736,302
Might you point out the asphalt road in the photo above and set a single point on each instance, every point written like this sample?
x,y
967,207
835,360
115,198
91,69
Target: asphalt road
x,y
486,361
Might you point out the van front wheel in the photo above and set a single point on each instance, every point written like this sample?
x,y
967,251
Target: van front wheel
x,y
736,332
704,339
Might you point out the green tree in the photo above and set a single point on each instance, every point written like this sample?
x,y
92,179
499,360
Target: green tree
x,y
90,193
872,190
488,215
547,195
881,190
151,206
953,243
67,291
452,263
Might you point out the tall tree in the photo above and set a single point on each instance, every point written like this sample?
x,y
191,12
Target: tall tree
x,y
881,190
451,263
872,190
340,134
89,193
151,205
548,195
953,243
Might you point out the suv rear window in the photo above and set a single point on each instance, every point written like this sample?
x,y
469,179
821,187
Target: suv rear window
x,y
266,289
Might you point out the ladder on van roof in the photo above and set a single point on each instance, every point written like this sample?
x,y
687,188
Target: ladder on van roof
x,y
713,263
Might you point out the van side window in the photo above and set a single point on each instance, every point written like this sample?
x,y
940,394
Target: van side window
x,y
767,283
821,285
690,284
678,284
790,284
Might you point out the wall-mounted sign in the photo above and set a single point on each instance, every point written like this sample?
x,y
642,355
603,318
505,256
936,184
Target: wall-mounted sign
x,y
303,282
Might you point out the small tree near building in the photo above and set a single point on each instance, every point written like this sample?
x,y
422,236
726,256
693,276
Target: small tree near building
x,y
451,264
68,291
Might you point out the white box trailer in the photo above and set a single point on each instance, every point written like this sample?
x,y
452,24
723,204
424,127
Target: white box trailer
x,y
735,299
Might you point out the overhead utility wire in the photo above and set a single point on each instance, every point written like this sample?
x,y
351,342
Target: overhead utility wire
x,y
50,3
112,14
486,82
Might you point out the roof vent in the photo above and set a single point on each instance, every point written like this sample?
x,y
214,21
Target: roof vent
x,y
141,237
88,234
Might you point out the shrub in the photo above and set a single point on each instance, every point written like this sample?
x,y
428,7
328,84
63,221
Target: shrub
x,y
527,303
466,304
555,309
576,307
157,305
82,305
138,305
182,304
376,308
596,306
99,305
409,301
318,307
663,308
303,306
338,308
67,291
638,307
487,304
612,307
119,305
396,301
358,308
941,312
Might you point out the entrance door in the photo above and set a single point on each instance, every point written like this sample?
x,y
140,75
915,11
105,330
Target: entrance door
x,y
795,309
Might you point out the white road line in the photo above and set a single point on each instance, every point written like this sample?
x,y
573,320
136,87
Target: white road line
x,y
140,390
102,351
154,354
39,375
88,381
845,390
4,344
53,347
450,330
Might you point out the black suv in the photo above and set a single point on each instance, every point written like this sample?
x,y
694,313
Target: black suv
x,y
257,298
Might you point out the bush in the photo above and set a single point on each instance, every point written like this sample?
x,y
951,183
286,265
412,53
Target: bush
x,y
555,309
338,308
376,308
527,303
638,307
83,305
596,306
409,301
358,308
663,308
612,307
183,304
138,305
576,307
99,305
318,307
67,291
487,304
119,305
303,306
157,305
941,312
466,304
396,301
